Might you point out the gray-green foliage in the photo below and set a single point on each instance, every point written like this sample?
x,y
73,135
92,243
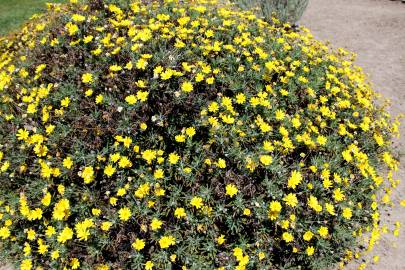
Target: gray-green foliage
x,y
285,10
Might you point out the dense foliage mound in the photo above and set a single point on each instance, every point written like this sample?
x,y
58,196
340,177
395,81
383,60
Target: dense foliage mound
x,y
184,135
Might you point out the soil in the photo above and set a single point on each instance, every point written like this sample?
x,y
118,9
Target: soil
x,y
375,30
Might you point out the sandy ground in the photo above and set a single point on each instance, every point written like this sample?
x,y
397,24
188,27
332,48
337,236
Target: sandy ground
x,y
375,30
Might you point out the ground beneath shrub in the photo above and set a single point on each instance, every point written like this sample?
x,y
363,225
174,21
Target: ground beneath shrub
x,y
375,30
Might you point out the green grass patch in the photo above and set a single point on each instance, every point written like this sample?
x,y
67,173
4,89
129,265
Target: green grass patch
x,y
13,13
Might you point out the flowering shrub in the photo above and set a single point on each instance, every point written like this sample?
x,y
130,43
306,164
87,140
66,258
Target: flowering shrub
x,y
185,135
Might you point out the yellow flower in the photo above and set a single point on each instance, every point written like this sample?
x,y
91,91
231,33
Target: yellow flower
x,y
142,191
330,209
213,107
314,204
141,64
221,239
288,237
149,265
180,213
72,28
50,231
31,234
7,222
197,202
75,263
65,102
87,78
142,95
173,257
139,244
109,170
87,39
338,195
22,134
115,68
78,18
65,235
46,200
5,166
238,253
262,255
274,210
41,150
190,132
113,201
55,255
231,190
167,241
124,214
280,115
88,92
246,212
4,233
210,80
102,267
116,156
121,192
106,225
149,155
26,264
187,87
323,231
296,122
167,74
143,126
67,162
131,99
266,160
180,138
156,224
183,20
82,231
308,236
295,179
173,158
347,213
240,98
228,119
124,162
99,99
321,140
27,249
61,209
96,212
128,65
347,155
327,183
158,174
221,163
88,175
291,200
379,139
310,250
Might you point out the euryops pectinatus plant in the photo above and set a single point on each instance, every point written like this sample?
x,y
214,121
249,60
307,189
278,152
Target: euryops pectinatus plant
x,y
185,135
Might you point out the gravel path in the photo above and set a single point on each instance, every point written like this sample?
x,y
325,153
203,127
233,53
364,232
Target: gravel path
x,y
375,30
